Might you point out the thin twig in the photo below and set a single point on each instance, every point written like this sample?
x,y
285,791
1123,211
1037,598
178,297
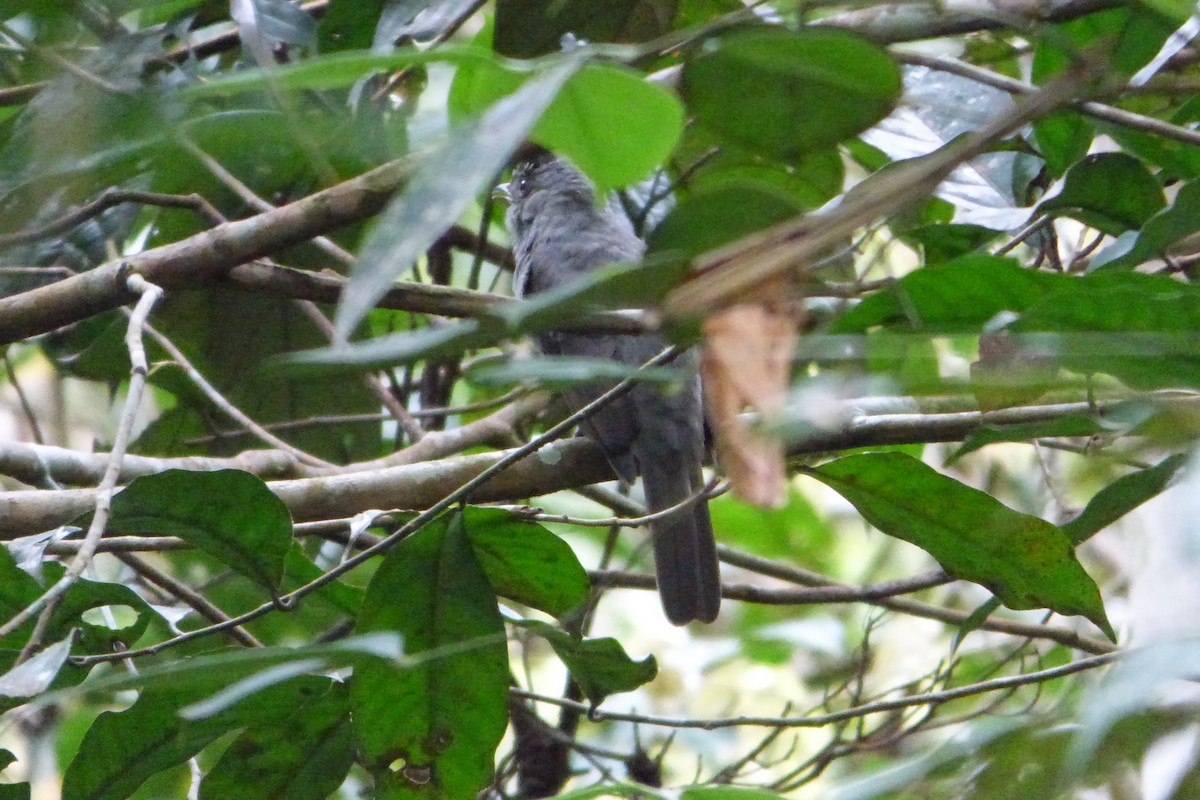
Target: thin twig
x,y
289,600
54,58
106,200
228,408
26,406
820,720
411,427
188,595
104,493
1107,113
231,181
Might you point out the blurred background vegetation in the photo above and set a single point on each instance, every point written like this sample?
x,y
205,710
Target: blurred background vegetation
x,y
938,258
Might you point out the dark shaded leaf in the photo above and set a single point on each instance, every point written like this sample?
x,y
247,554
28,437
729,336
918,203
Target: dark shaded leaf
x,y
229,514
444,713
122,749
304,755
18,589
941,243
1026,561
300,569
787,93
706,220
1154,239
1087,193
1063,139
528,28
349,25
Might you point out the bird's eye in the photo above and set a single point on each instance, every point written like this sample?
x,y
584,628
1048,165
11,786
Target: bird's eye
x,y
522,185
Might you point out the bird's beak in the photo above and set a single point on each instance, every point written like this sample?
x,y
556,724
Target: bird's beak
x,y
502,192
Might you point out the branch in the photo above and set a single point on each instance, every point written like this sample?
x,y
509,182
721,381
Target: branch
x,y
464,492
422,298
198,260
564,465
905,22
102,496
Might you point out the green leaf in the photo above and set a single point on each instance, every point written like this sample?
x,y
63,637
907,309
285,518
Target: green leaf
x,y
304,755
808,183
706,220
786,93
1063,138
386,351
1088,196
349,25
960,295
122,749
1143,332
1178,10
612,124
15,791
943,242
525,562
601,667
229,514
7,759
18,589
302,570
564,372
607,119
1180,219
441,190
1024,560
727,793
202,676
333,71
1122,496
444,715
974,621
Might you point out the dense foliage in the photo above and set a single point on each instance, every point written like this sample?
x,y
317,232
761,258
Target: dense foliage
x,y
270,423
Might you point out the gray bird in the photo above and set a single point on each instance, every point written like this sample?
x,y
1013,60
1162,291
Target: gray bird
x,y
559,235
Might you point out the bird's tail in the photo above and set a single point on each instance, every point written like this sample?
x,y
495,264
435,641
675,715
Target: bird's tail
x,y
685,553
